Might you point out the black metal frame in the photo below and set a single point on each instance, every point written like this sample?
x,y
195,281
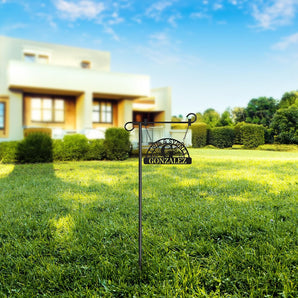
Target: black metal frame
x,y
140,124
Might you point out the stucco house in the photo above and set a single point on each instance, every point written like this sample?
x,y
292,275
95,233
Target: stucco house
x,y
72,90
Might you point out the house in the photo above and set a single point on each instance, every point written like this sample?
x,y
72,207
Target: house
x,y
72,90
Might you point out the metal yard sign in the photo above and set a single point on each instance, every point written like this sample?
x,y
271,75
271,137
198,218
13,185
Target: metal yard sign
x,y
166,151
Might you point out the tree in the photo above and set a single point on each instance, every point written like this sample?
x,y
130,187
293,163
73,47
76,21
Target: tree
x,y
260,110
238,115
211,117
284,124
175,119
225,119
199,117
288,99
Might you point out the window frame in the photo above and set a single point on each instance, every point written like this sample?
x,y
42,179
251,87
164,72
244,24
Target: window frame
x,y
4,116
85,64
42,109
36,56
5,129
101,103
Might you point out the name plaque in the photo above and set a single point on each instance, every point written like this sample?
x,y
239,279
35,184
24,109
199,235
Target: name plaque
x,y
167,151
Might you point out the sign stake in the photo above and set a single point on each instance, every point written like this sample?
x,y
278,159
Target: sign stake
x,y
140,195
166,145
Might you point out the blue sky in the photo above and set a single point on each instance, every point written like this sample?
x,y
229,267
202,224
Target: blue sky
x,y
217,54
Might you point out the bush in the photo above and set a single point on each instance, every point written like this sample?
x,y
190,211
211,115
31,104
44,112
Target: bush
x,y
8,151
237,128
269,135
96,150
117,144
199,134
179,126
221,137
44,130
285,125
58,150
37,147
75,147
252,135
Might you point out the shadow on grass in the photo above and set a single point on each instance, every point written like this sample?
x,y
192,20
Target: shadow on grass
x,y
58,237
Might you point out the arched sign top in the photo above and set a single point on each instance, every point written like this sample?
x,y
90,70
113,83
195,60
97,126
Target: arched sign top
x,y
167,151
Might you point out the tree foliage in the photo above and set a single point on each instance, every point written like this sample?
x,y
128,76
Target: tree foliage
x,y
225,119
238,114
260,110
288,99
211,117
284,124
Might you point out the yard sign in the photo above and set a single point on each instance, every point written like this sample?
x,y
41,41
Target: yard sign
x,y
164,151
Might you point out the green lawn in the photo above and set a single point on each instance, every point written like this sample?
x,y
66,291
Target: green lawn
x,y
225,226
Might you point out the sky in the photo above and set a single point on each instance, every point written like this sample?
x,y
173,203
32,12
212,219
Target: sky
x,y
213,54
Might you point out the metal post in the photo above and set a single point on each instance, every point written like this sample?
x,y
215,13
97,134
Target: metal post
x,y
140,196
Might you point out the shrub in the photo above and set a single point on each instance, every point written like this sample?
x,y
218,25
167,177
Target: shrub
x,y
199,134
237,128
285,125
44,130
8,151
117,144
37,147
179,126
58,150
252,135
269,135
75,147
96,150
221,137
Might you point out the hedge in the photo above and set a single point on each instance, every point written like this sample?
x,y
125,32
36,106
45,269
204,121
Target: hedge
x,y
75,147
37,147
117,145
96,150
252,135
221,137
237,139
8,151
199,134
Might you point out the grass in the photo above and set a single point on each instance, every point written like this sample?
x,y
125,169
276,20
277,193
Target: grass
x,y
225,226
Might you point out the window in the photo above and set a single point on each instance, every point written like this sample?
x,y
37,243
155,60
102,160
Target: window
x,y
102,112
47,109
43,59
141,116
34,57
2,115
85,64
29,57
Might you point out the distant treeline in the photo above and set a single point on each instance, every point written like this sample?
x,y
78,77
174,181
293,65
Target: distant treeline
x,y
278,117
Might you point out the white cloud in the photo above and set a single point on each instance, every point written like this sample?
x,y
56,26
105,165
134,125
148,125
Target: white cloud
x,y
286,42
199,15
83,9
217,6
111,32
157,56
234,2
172,19
115,19
156,9
159,38
274,14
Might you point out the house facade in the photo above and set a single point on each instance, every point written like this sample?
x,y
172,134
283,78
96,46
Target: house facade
x,y
72,90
